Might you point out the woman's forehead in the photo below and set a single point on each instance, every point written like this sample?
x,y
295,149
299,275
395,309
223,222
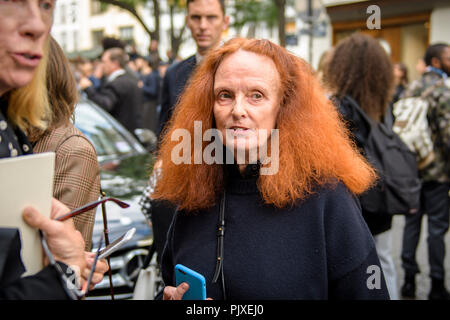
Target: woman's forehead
x,y
245,65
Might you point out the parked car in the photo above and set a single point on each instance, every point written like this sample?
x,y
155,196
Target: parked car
x,y
124,169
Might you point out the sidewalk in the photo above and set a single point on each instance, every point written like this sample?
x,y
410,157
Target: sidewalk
x,y
423,282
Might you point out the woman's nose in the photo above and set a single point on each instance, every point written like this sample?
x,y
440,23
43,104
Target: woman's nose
x,y
33,25
239,108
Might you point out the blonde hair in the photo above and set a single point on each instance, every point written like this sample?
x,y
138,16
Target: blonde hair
x,y
61,89
28,106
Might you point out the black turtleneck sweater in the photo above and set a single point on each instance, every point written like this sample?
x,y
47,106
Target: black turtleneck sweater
x,y
319,249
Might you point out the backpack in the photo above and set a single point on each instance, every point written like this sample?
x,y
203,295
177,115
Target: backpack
x,y
411,125
397,190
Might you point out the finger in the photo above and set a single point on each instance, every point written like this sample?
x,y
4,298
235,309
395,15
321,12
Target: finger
x,y
58,209
96,278
168,293
36,220
172,293
89,255
85,273
102,266
180,291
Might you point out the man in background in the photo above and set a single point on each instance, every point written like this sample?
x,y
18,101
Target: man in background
x,y
435,177
119,94
207,20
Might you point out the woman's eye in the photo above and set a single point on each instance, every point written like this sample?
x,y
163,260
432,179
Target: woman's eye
x,y
257,96
224,96
47,5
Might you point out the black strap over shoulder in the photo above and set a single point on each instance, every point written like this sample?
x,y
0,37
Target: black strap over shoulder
x,y
220,236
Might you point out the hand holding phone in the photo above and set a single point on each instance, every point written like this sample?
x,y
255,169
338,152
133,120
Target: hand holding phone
x,y
197,283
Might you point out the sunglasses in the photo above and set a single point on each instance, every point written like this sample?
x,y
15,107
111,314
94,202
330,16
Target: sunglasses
x,y
91,205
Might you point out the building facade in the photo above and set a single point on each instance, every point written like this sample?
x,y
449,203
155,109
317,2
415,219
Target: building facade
x,y
406,27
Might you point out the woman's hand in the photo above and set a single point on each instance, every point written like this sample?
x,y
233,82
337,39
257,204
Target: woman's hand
x,y
64,241
172,293
100,269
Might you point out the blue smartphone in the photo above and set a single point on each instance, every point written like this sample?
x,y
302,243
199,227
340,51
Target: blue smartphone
x,y
197,283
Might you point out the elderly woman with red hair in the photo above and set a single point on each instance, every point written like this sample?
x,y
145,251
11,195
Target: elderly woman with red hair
x,y
284,223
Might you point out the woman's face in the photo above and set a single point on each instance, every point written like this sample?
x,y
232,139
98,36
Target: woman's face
x,y
24,28
246,90
398,72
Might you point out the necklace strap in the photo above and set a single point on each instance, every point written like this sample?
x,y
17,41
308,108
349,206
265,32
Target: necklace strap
x,y
220,249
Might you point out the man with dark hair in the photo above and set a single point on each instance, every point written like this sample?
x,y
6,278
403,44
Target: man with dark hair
x,y
110,42
207,20
437,56
119,94
435,177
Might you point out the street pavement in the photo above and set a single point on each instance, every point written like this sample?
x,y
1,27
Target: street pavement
x,y
423,282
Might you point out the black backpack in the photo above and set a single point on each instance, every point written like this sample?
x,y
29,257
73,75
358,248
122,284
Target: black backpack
x,y
398,189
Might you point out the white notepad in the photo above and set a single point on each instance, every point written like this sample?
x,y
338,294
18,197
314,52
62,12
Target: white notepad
x,y
26,180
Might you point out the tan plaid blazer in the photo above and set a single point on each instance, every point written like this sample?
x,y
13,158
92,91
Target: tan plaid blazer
x,y
77,175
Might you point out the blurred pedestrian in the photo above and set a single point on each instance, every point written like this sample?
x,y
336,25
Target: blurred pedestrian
x,y
436,179
421,66
361,70
120,94
401,80
153,54
151,87
111,42
89,70
77,176
323,61
294,232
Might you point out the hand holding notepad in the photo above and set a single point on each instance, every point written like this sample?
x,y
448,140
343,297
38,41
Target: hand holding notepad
x,y
26,181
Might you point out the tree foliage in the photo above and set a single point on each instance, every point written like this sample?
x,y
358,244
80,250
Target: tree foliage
x,y
260,12
132,7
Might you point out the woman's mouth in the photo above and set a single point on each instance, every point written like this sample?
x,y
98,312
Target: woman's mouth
x,y
27,59
238,131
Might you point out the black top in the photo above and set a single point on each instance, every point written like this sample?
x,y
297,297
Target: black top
x,y
319,249
46,284
377,222
122,98
174,82
13,142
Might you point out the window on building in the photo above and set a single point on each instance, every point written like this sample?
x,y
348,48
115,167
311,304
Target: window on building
x,y
62,14
75,41
73,12
97,7
63,42
126,34
97,37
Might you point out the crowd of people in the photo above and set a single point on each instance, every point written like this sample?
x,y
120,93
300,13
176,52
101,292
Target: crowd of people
x,y
304,231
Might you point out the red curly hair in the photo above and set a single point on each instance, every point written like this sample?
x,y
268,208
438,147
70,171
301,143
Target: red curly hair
x,y
314,145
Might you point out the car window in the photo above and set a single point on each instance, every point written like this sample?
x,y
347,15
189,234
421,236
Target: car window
x,y
106,138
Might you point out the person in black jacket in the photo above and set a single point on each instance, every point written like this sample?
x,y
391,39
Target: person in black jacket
x,y
207,20
283,223
361,69
120,94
